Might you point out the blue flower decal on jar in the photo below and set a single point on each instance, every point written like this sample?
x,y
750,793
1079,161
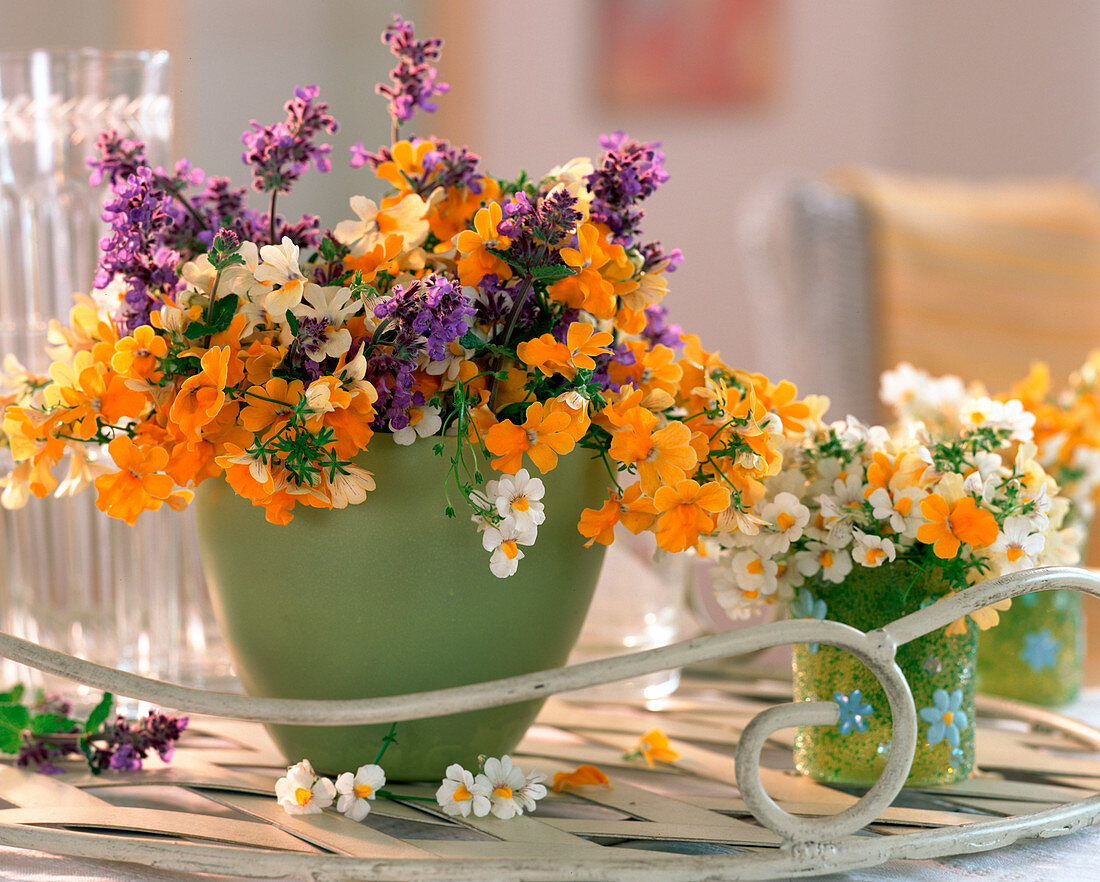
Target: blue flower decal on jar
x,y
806,606
853,711
1040,650
944,717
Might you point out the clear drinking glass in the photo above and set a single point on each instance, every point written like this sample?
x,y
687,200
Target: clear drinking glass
x,y
73,579
640,603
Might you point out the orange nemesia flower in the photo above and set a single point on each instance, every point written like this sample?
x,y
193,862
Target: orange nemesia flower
x,y
661,457
139,485
654,746
949,526
476,262
686,510
543,436
202,397
136,355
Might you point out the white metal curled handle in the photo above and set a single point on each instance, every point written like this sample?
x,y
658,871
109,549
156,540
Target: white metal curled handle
x,y
876,650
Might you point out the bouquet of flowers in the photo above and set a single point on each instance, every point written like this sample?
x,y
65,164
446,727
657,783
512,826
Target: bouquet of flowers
x,y
520,317
1065,430
975,505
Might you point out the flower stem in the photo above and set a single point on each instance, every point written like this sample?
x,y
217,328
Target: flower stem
x,y
390,738
271,212
509,329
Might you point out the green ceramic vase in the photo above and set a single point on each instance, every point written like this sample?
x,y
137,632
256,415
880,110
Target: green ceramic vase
x,y
392,597
939,669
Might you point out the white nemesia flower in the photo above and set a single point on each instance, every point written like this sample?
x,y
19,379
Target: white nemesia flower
x,y
1017,545
423,422
506,783
280,267
460,795
872,551
833,563
901,509
240,279
503,540
788,513
519,497
302,792
752,573
356,790
532,790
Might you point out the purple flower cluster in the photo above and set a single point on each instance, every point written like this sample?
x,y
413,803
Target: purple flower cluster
x,y
657,329
118,745
117,158
123,746
653,254
427,315
414,83
535,227
280,153
141,217
629,172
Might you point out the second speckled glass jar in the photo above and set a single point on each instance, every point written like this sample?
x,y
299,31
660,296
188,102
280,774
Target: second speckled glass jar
x,y
939,667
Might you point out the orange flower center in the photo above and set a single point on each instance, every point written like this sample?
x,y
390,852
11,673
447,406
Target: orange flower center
x,y
756,567
503,792
510,549
461,794
302,796
363,790
948,718
1015,552
521,503
826,559
785,521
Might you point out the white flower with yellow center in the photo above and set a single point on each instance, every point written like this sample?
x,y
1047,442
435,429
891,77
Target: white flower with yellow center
x,y
302,792
789,516
280,268
871,551
518,497
753,573
506,784
900,508
356,791
504,541
460,795
832,563
1017,545
423,422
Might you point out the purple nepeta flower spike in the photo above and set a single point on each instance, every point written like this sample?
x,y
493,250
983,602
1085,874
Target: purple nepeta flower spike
x,y
413,78
280,153
629,172
141,219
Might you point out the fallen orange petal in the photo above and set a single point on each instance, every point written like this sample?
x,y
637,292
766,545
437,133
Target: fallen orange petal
x,y
583,775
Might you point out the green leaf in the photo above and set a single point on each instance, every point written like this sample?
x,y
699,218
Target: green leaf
x,y
14,720
13,695
49,724
99,713
552,273
221,315
292,320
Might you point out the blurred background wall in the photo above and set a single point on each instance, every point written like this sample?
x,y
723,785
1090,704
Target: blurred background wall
x,y
969,87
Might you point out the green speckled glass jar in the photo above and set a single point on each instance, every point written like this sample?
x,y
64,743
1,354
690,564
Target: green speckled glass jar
x,y
939,668
1037,652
